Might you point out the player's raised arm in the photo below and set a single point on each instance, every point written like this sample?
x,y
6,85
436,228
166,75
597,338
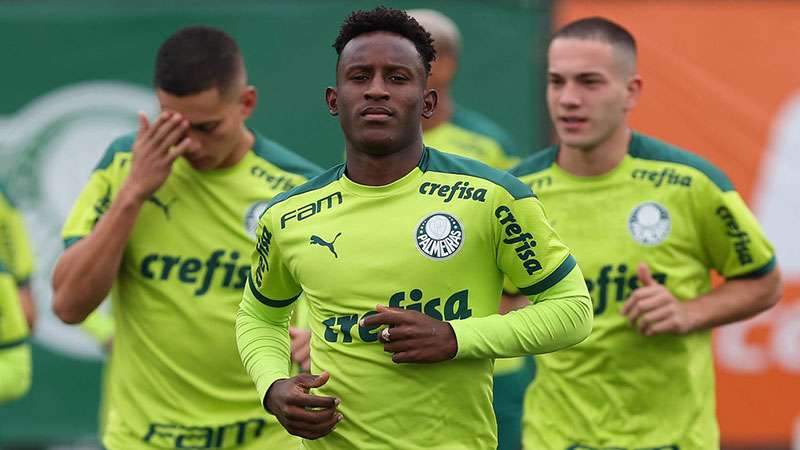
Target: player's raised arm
x,y
99,226
262,335
531,254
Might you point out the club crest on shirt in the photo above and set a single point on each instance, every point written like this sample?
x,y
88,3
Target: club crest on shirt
x,y
252,215
649,223
439,236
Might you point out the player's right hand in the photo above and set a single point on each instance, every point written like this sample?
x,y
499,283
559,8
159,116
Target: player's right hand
x,y
156,147
301,413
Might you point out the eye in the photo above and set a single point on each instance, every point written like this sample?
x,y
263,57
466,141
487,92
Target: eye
x,y
555,81
359,77
398,78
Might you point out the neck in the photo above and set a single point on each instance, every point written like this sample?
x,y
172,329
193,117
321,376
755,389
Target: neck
x,y
443,112
246,141
597,160
380,170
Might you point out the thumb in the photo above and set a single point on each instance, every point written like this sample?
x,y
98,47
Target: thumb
x,y
645,277
313,381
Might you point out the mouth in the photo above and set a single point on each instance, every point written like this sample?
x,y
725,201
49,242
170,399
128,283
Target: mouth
x,y
572,122
376,113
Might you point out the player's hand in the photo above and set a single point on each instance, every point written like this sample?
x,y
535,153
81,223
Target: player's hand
x,y
301,413
155,148
653,310
301,349
413,337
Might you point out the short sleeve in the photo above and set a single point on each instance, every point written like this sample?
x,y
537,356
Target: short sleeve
x,y
529,250
733,240
15,247
270,282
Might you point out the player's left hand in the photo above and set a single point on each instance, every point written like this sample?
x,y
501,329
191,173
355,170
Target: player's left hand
x,y
652,309
413,337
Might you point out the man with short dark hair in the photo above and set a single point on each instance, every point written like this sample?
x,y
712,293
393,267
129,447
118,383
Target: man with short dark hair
x,y
647,222
400,253
163,225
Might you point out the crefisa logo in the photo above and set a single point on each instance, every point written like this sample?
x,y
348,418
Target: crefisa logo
x,y
252,215
439,236
649,223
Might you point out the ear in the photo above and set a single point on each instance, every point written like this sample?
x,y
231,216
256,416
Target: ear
x,y
634,88
330,99
248,100
429,102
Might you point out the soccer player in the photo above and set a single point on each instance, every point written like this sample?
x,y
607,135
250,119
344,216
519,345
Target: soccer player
x,y
15,351
16,254
400,253
164,225
455,129
647,222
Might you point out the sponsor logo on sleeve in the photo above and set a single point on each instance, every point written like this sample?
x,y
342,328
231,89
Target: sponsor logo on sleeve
x,y
740,238
522,241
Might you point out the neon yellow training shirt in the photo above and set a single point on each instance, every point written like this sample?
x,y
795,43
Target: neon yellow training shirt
x,y
15,249
176,379
15,352
472,135
681,216
437,241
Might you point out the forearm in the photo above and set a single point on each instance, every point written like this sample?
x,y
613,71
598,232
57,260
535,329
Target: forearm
x,y
87,270
15,372
264,344
734,300
542,327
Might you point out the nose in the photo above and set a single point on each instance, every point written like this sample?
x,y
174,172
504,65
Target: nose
x,y
196,143
569,97
376,90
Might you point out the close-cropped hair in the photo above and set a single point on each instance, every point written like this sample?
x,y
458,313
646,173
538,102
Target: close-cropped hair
x,y
599,28
195,59
389,20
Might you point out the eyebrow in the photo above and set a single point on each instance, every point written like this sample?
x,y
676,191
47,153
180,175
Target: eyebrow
x,y
361,66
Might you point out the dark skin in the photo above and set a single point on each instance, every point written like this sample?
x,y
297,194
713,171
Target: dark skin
x,y
380,98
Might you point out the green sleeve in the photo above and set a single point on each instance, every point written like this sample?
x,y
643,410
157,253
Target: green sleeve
x,y
534,259
15,248
262,323
560,317
734,243
15,372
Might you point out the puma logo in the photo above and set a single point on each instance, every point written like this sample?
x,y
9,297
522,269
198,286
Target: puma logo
x,y
319,241
161,205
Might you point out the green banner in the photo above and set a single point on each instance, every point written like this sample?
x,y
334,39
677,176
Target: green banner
x,y
76,73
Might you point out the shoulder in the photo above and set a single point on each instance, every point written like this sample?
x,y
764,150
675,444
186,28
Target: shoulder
x,y
536,162
651,149
298,193
481,124
121,145
283,158
436,161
